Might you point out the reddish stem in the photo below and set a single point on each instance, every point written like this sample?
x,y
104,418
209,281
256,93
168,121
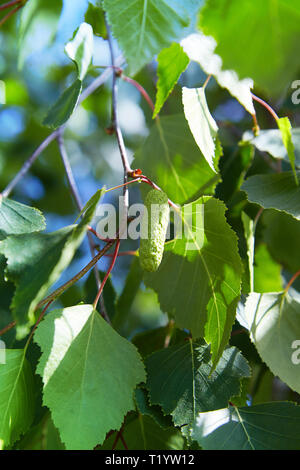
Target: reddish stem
x,y
206,81
257,217
238,332
9,4
107,273
266,105
7,328
256,126
292,280
123,253
123,441
140,89
124,184
120,436
107,240
9,14
145,179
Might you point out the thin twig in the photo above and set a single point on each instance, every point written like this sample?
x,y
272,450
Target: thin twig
x,y
79,205
68,170
7,328
9,4
87,92
136,180
115,123
9,14
266,105
119,436
206,81
123,253
257,217
107,274
28,163
294,277
145,179
106,240
141,89
122,149
54,295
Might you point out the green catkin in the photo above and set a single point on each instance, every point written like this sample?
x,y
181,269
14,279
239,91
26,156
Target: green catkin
x,y
153,230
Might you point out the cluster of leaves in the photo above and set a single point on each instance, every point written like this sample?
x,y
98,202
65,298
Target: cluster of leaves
x,y
203,375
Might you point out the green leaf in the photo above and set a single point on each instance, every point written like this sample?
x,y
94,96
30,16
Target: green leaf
x,y
233,168
155,412
198,281
80,49
64,107
16,218
201,123
144,28
275,191
282,235
35,261
242,398
16,396
270,426
171,158
42,436
89,374
249,230
247,36
37,14
286,133
172,61
270,141
94,200
200,48
95,17
273,321
180,379
143,433
267,273
152,340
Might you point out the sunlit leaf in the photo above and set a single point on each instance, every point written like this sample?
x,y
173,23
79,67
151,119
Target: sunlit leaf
x,y
270,426
200,48
144,28
80,49
172,61
202,124
89,374
16,396
273,321
286,134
